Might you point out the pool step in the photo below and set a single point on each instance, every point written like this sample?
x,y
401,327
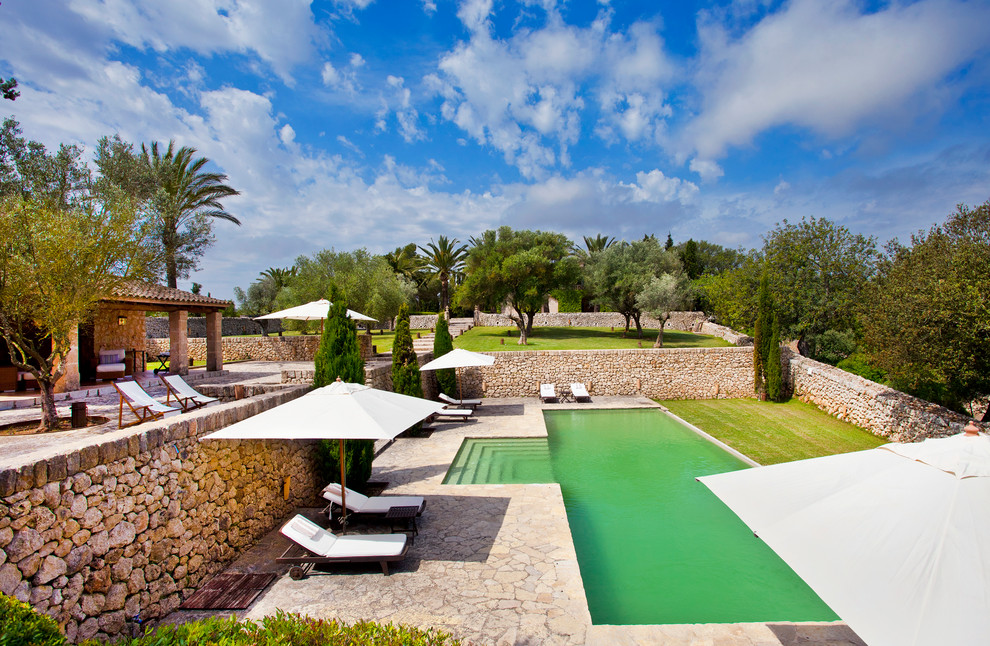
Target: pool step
x,y
497,461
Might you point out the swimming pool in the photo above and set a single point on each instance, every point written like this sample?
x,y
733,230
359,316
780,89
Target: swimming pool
x,y
654,545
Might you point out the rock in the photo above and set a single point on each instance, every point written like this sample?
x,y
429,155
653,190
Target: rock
x,y
121,570
100,542
122,534
112,623
28,566
98,581
88,629
25,542
92,604
10,578
51,568
116,596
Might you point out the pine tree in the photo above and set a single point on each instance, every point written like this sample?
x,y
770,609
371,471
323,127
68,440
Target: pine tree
x,y
340,356
405,369
442,344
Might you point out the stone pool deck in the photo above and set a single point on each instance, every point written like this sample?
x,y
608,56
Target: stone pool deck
x,y
492,564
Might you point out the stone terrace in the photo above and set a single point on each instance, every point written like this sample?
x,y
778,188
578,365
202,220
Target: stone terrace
x,y
493,564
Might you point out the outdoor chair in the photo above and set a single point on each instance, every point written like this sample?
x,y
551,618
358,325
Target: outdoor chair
x,y
111,365
449,414
547,393
323,547
145,407
465,403
371,505
580,393
185,395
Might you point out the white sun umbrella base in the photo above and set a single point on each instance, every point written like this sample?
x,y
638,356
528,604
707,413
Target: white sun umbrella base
x,y
459,358
897,547
312,311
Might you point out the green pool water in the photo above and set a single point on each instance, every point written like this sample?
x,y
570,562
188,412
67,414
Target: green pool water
x,y
654,545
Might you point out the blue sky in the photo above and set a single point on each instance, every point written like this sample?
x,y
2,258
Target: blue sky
x,y
373,123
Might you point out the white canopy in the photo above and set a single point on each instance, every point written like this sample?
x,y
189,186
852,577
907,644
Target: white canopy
x,y
338,411
896,540
458,358
312,311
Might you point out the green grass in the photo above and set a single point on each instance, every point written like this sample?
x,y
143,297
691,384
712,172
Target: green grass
x,y
771,433
490,339
383,342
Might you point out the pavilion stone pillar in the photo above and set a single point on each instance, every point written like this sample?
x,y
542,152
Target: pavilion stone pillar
x,y
70,380
178,341
214,341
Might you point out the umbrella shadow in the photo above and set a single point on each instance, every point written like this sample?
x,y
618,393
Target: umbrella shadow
x,y
491,410
457,528
796,634
396,477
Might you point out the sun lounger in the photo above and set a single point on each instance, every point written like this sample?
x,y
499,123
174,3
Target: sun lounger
x,y
580,393
371,505
323,547
464,403
449,414
547,393
184,394
145,407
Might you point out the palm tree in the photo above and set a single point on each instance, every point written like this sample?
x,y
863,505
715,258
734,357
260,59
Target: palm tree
x,y
445,261
187,198
279,276
594,245
405,262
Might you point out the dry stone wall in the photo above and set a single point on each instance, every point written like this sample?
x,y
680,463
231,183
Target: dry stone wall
x,y
687,321
157,326
879,409
259,348
682,373
132,524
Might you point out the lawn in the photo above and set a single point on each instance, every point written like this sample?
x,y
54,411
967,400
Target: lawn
x,y
770,432
490,339
383,339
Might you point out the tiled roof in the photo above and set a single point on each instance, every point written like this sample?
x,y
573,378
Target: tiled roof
x,y
136,290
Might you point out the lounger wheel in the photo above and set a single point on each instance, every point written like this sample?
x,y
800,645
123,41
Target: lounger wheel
x,y
296,572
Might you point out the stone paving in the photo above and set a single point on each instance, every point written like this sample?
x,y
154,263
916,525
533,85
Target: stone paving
x,y
492,564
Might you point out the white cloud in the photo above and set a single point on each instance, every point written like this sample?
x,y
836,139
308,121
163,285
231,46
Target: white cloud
x,y
287,135
281,34
330,75
707,169
781,188
357,60
827,66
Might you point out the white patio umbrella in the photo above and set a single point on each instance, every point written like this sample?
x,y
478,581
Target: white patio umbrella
x,y
896,540
340,411
458,358
312,311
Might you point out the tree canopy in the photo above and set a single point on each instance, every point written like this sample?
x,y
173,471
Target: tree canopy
x,y
444,260
926,318
620,273
519,269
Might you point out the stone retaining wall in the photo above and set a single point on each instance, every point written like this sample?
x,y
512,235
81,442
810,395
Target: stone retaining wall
x,y
879,409
376,375
686,321
135,522
682,373
156,327
727,333
259,348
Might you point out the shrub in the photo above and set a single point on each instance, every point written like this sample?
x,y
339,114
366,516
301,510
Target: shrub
x,y
568,300
442,344
832,346
857,364
289,629
405,368
22,625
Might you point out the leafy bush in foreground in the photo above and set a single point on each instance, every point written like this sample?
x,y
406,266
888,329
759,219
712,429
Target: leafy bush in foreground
x,y
289,629
20,624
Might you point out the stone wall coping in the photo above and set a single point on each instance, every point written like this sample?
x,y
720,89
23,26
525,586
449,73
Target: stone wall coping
x,y
59,462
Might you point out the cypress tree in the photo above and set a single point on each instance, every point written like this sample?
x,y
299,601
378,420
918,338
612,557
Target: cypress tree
x,y
340,356
442,344
761,333
405,369
772,369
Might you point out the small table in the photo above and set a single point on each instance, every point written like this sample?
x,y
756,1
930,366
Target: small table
x,y
162,358
403,519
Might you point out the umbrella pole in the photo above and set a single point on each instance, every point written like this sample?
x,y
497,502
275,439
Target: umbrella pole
x,y
343,489
460,392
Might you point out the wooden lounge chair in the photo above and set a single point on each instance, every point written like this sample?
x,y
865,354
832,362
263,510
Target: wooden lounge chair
x,y
185,395
463,403
449,414
322,547
145,407
547,393
580,393
360,504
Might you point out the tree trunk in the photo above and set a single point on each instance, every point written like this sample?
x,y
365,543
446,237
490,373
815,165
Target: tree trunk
x,y
444,286
49,412
626,331
986,414
659,343
639,326
171,272
529,323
